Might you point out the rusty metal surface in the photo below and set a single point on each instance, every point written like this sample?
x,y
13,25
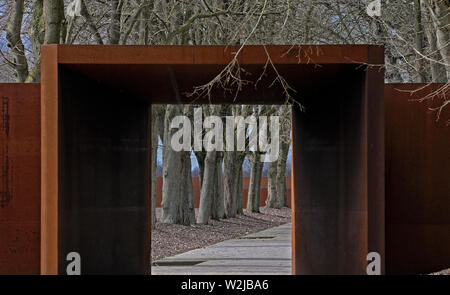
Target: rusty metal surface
x,y
49,160
134,70
417,187
331,179
152,82
417,181
201,55
103,179
20,178
375,114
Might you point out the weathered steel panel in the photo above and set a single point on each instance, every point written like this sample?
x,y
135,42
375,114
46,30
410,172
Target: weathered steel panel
x,y
417,180
375,121
103,202
148,73
20,150
49,160
345,136
330,178
201,55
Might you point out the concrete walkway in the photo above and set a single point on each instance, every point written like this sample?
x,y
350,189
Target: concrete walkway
x,y
266,252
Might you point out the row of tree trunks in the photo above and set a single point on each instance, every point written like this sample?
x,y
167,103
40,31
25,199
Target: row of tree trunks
x,y
220,173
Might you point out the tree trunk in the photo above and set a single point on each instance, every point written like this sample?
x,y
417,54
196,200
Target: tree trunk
x,y
201,166
145,22
207,190
172,168
272,200
418,42
14,41
219,204
230,169
214,196
229,184
54,16
255,182
178,197
239,176
437,70
187,210
285,142
281,179
256,199
114,27
439,11
37,32
157,121
154,126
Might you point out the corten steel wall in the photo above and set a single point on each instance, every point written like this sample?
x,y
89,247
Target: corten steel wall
x,y
338,174
349,130
20,160
104,147
245,182
417,181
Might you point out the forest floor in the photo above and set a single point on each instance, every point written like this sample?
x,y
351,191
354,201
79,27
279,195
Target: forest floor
x,y
172,239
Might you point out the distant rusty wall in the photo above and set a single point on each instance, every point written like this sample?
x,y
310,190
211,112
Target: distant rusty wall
x,y
20,178
417,182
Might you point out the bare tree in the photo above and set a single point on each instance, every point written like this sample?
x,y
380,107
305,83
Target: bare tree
x,y
14,41
414,33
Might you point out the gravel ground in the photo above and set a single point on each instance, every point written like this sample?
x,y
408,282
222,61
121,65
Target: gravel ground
x,y
172,239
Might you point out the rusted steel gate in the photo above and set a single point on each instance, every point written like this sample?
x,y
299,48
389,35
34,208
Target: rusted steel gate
x,y
95,137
